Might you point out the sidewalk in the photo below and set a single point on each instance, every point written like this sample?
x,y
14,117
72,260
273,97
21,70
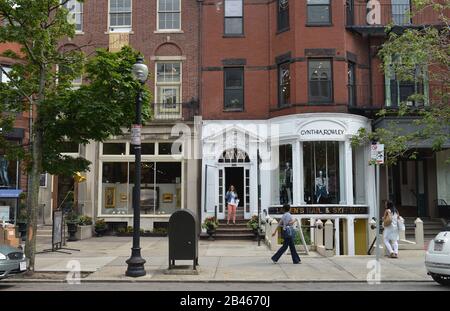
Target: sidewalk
x,y
225,261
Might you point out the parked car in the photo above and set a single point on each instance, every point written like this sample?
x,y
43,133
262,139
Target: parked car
x,y
437,258
12,261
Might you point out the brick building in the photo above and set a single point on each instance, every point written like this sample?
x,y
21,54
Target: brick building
x,y
285,85
166,33
13,179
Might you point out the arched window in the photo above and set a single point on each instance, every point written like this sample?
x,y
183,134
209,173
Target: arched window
x,y
234,155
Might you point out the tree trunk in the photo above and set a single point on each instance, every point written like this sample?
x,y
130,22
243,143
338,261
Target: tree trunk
x,y
33,196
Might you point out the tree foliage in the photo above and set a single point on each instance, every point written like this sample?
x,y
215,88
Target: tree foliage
x,y
429,48
41,82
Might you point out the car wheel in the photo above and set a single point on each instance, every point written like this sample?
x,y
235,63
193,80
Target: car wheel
x,y
441,279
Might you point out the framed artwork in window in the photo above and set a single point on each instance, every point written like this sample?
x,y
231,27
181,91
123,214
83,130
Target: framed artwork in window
x,y
110,197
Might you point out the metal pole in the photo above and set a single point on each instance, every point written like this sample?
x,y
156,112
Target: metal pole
x,y
136,262
377,211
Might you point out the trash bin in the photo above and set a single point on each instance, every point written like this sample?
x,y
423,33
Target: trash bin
x,y
183,237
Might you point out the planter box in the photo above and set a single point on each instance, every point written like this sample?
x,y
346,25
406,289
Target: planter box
x,y
84,232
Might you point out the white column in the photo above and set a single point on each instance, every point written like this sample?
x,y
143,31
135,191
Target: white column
x,y
296,172
253,180
351,236
337,240
342,174
348,172
301,190
265,175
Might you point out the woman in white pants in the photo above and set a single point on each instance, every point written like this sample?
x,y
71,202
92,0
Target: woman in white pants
x,y
391,234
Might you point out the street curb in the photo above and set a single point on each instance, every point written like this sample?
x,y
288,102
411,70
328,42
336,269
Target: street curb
x,y
207,281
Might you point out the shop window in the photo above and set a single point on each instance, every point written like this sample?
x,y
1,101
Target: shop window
x,y
120,15
160,187
321,172
115,190
284,84
114,148
283,15
359,166
9,173
234,17
319,12
169,148
146,149
286,174
234,89
320,80
75,13
169,14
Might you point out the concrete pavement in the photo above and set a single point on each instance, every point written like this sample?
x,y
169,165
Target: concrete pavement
x,y
103,260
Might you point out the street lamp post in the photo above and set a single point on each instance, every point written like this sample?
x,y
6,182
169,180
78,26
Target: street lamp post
x,y
136,262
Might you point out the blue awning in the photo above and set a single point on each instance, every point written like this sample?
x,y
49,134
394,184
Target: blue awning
x,y
10,193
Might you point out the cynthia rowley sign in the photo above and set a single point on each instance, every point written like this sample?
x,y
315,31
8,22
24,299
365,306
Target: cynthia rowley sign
x,y
314,210
322,132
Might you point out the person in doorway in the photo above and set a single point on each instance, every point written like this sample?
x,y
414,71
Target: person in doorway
x,y
287,222
390,224
232,201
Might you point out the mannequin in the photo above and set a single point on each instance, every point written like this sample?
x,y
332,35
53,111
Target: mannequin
x,y
321,187
288,181
4,171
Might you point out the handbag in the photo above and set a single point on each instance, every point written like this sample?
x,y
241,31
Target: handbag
x,y
289,232
401,224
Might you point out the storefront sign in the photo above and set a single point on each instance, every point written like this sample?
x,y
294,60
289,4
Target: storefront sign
x,y
322,130
314,210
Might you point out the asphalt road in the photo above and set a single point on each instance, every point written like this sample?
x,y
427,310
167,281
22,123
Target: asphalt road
x,y
205,286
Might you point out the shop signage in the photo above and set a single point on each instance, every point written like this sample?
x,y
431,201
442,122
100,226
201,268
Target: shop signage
x,y
314,210
322,130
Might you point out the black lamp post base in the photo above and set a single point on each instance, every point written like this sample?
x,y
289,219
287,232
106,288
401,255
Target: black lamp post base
x,y
135,265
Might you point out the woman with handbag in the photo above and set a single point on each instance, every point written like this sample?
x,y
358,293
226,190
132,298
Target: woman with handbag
x,y
391,223
231,198
287,222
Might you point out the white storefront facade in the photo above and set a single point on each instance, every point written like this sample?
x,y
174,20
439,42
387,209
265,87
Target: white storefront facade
x,y
305,160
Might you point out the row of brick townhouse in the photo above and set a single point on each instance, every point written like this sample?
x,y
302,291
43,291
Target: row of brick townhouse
x,y
278,87
13,178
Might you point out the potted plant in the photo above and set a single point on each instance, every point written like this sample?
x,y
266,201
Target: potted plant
x,y
253,224
100,227
210,224
72,221
84,230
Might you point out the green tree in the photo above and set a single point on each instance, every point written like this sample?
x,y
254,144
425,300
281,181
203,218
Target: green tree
x,y
41,81
427,47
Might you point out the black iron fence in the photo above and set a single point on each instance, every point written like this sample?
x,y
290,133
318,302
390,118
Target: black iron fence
x,y
175,111
380,13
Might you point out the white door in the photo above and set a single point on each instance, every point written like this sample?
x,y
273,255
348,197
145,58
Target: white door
x,y
221,209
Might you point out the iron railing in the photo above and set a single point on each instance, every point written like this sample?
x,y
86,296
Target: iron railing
x,y
358,13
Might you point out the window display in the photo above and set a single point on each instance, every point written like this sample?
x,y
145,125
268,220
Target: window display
x,y
321,172
286,174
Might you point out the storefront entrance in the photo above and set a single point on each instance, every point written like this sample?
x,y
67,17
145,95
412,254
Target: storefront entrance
x,y
235,176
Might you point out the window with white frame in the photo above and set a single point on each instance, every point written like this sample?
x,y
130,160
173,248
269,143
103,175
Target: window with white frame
x,y
169,15
119,15
3,74
75,13
168,87
234,17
